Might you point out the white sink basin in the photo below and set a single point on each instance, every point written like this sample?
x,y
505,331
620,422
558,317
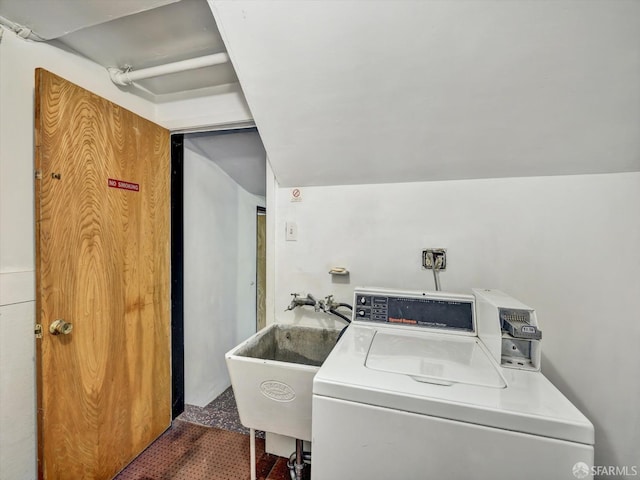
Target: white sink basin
x,y
272,377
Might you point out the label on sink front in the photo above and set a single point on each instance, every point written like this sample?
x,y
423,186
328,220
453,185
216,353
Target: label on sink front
x,y
278,391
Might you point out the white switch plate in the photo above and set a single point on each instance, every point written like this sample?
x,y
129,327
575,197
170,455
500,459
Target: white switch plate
x,y
292,232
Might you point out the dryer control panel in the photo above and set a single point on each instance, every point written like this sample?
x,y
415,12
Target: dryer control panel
x,y
435,310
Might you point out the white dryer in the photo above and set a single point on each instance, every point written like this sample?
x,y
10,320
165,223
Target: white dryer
x,y
412,391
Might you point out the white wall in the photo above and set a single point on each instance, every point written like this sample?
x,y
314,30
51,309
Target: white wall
x,y
568,246
219,274
17,392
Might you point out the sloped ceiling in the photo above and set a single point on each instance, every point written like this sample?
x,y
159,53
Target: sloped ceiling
x,y
371,92
239,154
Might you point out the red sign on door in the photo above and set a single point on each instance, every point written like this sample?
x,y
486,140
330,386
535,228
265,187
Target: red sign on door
x,y
113,183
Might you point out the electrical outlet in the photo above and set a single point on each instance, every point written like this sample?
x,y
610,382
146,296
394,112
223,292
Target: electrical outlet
x,y
439,256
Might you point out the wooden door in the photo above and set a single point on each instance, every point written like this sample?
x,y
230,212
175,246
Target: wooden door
x,y
103,265
261,269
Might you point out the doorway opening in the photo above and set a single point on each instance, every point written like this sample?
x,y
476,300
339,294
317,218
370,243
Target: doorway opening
x,y
218,185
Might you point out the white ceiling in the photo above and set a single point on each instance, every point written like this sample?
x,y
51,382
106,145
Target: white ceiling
x,y
171,33
53,18
392,91
240,154
135,33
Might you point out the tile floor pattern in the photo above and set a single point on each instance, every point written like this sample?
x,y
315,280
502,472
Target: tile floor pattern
x,y
207,443
221,413
193,452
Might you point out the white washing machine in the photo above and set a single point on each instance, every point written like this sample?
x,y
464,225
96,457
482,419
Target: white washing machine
x,y
418,388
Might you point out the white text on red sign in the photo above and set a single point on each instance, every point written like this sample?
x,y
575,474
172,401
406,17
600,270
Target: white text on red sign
x,y
113,183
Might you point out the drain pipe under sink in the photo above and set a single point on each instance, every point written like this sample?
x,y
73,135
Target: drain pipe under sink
x,y
297,461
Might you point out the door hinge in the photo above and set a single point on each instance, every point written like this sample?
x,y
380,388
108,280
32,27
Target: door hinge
x,y
38,330
38,174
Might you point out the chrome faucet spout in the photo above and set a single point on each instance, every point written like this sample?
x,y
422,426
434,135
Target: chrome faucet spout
x,y
297,301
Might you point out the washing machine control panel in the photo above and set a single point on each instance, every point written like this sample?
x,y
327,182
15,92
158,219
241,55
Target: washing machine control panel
x,y
429,310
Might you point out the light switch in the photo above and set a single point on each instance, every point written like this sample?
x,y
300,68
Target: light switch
x,y
292,232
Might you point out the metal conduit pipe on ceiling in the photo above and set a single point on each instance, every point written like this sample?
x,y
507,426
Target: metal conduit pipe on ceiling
x,y
20,30
126,76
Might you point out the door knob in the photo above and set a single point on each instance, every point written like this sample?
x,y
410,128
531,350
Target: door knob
x,y
60,327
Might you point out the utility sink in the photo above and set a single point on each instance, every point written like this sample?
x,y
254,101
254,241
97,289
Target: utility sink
x,y
272,377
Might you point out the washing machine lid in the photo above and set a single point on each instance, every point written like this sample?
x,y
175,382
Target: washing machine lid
x,y
387,373
438,359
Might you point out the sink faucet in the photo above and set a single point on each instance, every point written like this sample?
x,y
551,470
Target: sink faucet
x,y
328,304
298,301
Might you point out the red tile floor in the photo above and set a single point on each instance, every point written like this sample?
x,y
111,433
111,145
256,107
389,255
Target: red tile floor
x,y
194,452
